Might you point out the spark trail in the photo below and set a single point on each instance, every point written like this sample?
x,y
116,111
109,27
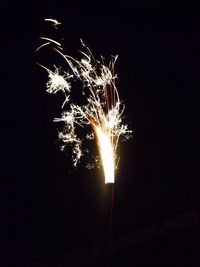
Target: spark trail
x,y
102,110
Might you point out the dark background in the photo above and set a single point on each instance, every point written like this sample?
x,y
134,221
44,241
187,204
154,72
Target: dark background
x,y
49,208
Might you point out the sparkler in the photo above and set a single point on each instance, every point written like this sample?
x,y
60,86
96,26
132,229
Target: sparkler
x,y
103,109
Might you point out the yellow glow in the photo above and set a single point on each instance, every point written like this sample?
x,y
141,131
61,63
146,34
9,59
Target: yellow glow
x,y
107,155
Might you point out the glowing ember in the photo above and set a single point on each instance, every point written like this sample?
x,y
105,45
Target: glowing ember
x,y
103,109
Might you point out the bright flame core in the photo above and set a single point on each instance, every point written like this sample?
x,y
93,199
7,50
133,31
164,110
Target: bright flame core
x,y
107,154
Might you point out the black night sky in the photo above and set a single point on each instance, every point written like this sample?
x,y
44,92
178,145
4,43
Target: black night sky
x,y
48,208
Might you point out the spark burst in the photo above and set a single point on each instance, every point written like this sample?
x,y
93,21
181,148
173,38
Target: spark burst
x,y
103,109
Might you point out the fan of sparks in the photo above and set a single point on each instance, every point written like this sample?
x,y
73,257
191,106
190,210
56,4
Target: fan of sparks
x,y
103,109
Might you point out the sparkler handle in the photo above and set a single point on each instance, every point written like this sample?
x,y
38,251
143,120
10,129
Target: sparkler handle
x,y
108,218
111,218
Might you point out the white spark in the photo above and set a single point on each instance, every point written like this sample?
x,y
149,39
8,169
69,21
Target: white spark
x,y
54,21
58,82
50,40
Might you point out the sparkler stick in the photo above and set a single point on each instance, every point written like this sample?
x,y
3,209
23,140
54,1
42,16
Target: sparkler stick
x,y
107,231
102,109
